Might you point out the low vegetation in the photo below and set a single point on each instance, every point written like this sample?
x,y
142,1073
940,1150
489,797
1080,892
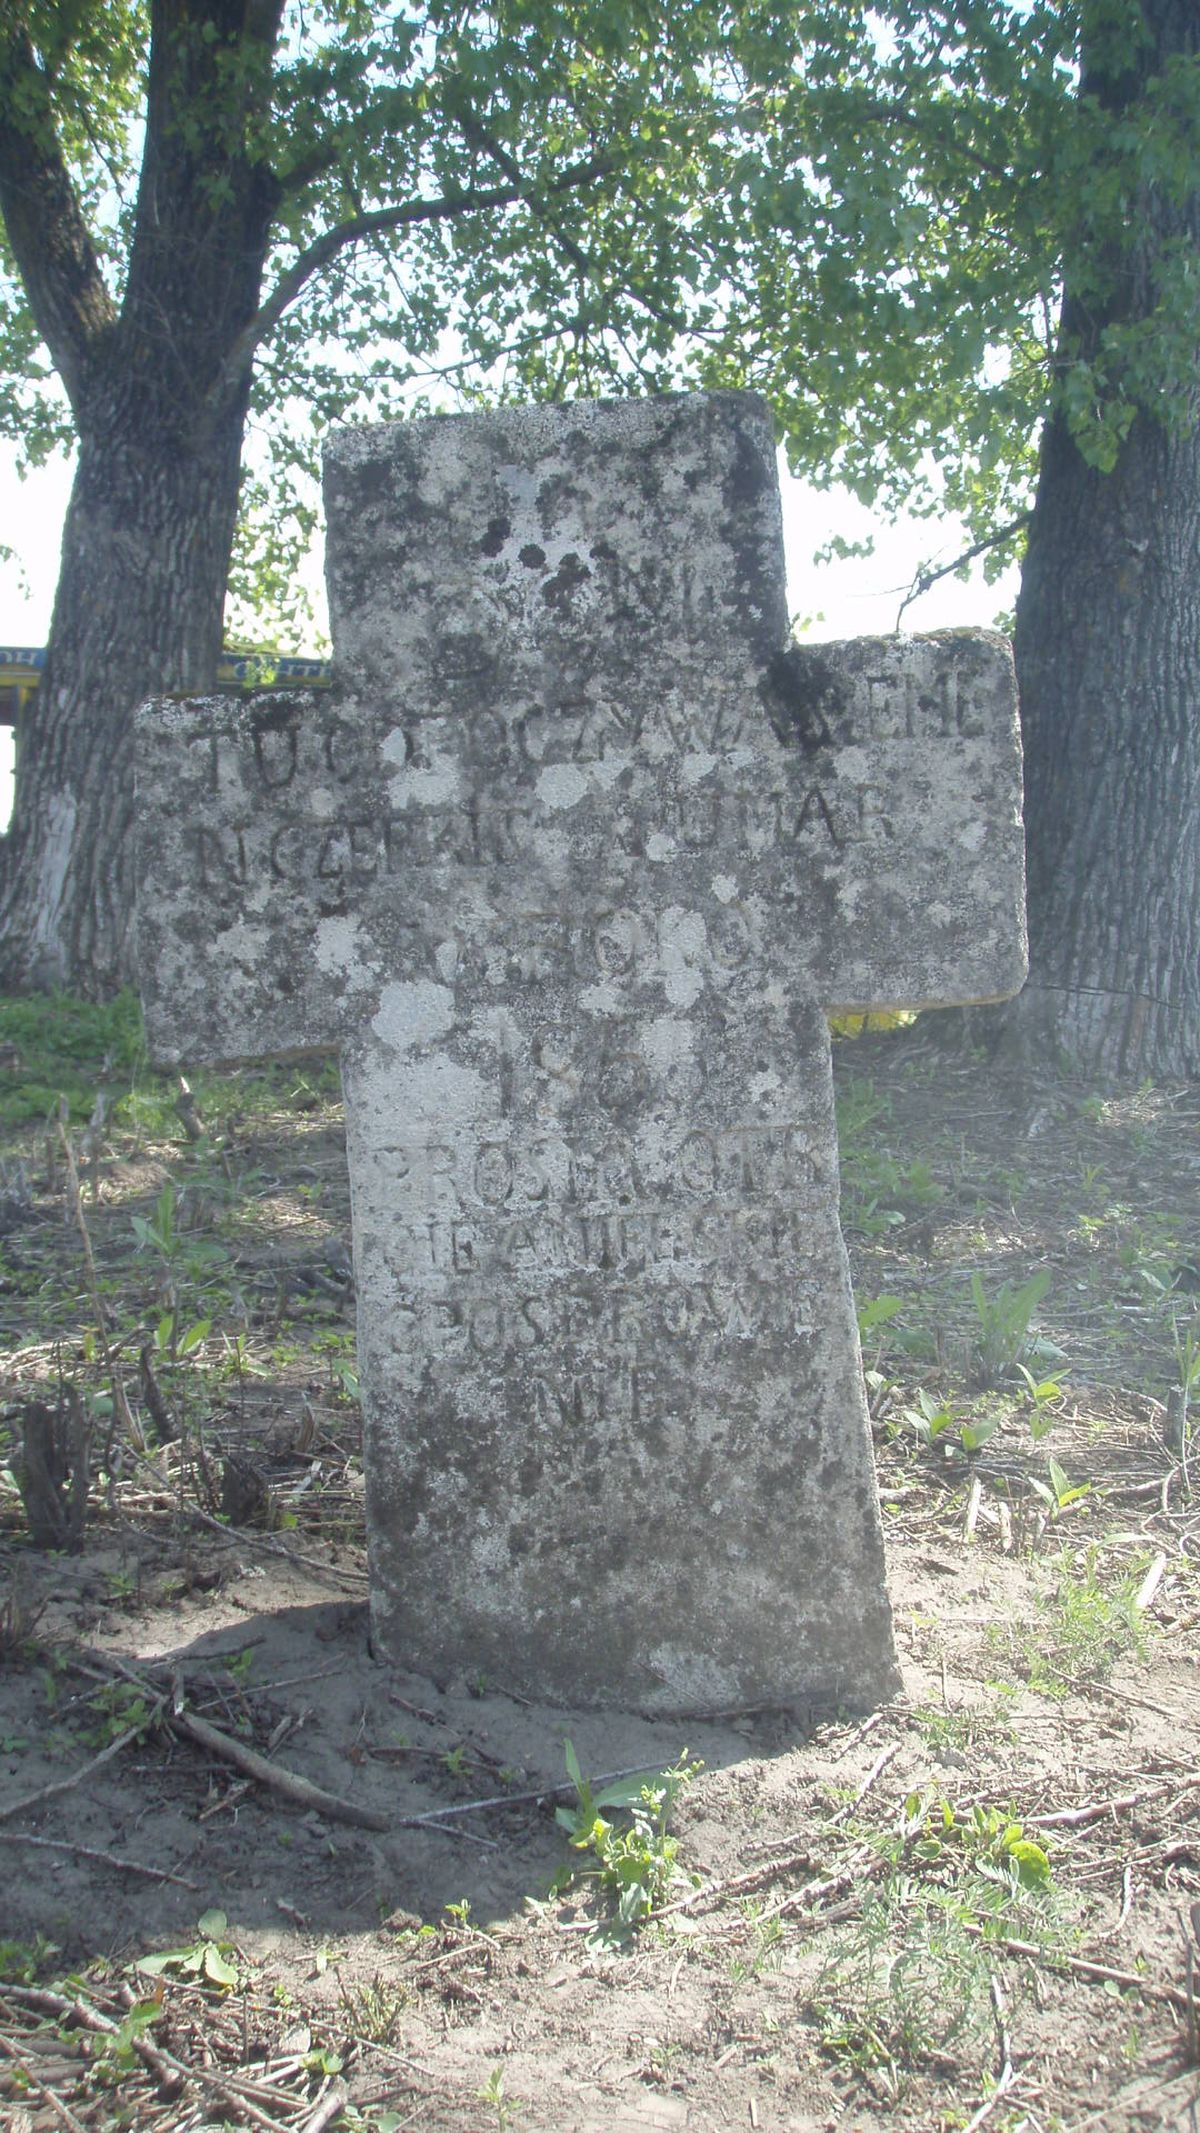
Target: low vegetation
x,y
250,1881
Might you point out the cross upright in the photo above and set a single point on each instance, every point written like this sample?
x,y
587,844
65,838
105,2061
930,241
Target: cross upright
x,y
570,866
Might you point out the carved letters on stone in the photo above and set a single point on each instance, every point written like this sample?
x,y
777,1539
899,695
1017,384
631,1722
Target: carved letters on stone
x,y
570,866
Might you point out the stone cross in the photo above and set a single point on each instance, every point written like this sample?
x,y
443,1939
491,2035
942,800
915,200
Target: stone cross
x,y
570,866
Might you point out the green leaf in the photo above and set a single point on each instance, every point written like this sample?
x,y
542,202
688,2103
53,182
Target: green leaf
x,y
974,1434
877,1312
157,1965
218,1968
1032,1864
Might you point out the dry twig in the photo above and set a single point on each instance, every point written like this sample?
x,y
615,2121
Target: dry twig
x,y
88,1851
50,1792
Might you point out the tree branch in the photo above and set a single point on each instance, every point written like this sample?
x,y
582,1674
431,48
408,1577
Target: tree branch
x,y
925,578
916,123
574,253
50,239
376,222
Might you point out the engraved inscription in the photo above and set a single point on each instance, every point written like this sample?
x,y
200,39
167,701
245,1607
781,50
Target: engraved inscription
x,y
602,1316
740,1162
570,863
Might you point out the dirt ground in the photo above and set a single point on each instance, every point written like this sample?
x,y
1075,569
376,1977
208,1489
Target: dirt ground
x,y
979,1905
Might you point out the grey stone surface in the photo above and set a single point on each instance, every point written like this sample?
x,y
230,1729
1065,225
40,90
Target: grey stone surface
x,y
569,868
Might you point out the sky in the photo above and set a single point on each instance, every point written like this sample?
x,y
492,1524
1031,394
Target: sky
x,y
860,597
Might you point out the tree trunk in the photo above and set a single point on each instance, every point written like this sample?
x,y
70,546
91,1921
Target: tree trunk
x,y
1108,666
159,388
138,610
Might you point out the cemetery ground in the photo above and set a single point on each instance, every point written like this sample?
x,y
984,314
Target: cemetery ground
x,y
979,1905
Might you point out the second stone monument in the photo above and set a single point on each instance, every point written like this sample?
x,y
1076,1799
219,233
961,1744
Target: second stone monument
x,y
569,867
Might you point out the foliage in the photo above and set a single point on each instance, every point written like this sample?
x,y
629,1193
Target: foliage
x,y
868,210
936,174
933,1421
910,1979
636,1863
495,2094
1003,1323
21,1962
1057,1492
992,1841
879,1190
527,194
1084,1627
53,1047
208,1958
1043,1395
902,1904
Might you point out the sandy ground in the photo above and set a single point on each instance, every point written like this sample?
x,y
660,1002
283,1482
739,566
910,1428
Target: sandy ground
x,y
852,1946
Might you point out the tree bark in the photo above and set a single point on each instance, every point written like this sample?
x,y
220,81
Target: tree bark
x,y
1108,667
160,410
138,610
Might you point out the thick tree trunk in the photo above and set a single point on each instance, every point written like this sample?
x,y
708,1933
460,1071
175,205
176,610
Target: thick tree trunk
x,y
138,610
1108,659
1108,664
159,387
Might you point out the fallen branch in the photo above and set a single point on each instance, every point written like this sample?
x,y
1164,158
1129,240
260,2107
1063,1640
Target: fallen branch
x,y
327,2110
517,1799
171,2076
163,2064
1095,1810
68,1784
1082,1966
313,1798
1003,2086
41,2088
88,1851
876,1770
714,1891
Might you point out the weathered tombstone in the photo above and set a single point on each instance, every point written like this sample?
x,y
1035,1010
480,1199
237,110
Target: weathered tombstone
x,y
570,867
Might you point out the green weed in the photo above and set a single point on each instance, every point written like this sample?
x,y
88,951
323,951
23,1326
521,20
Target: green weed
x,y
910,1981
118,1707
495,2094
766,1949
208,1959
118,2053
22,1962
1083,1629
964,1729
181,1251
1058,1492
635,1862
62,1049
1043,1396
1002,1334
373,2009
934,1421
880,1191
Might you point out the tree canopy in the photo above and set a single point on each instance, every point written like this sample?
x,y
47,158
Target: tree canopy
x,y
932,234
457,198
925,183
869,211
